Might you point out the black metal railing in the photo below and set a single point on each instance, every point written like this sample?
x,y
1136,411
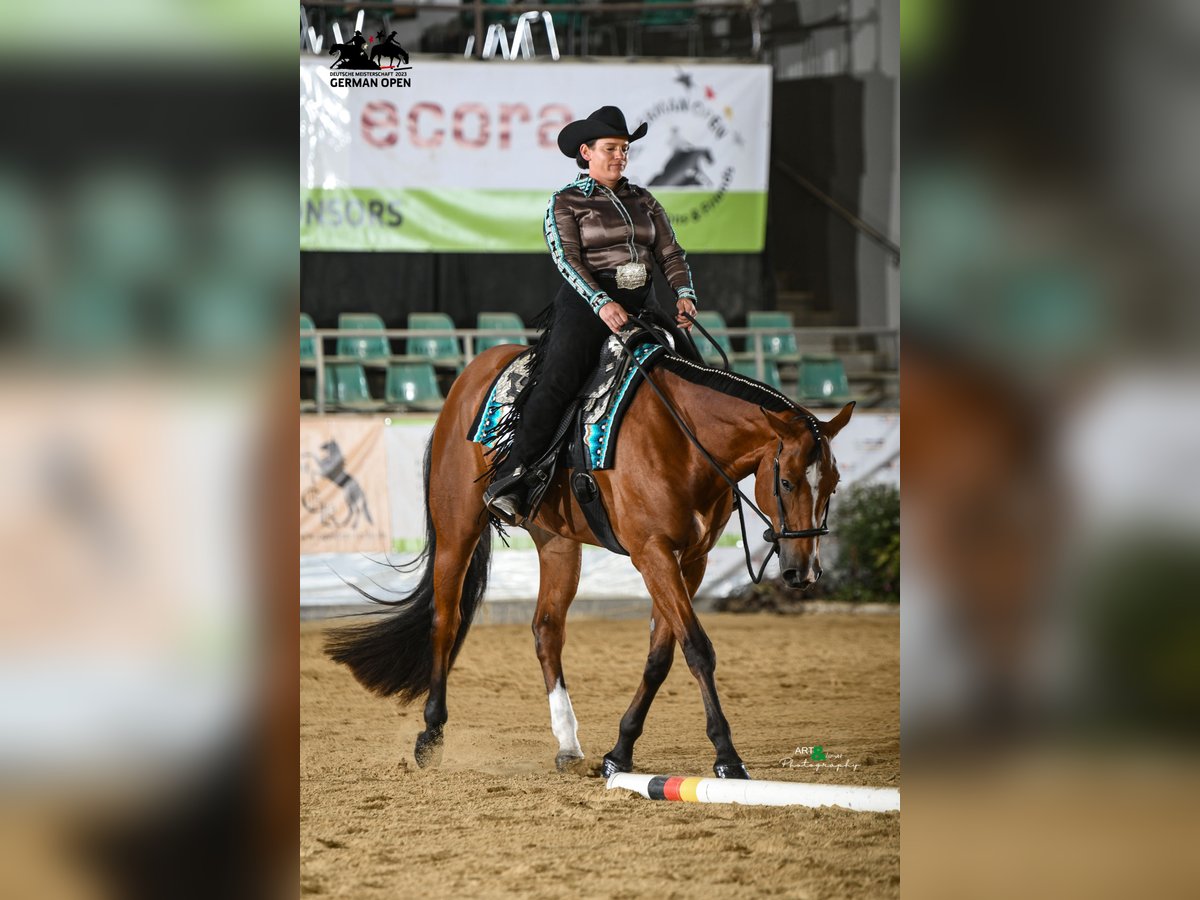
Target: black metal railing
x,y
881,374
319,14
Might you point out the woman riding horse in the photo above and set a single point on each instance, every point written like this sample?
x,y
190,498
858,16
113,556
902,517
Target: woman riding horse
x,y
715,427
603,233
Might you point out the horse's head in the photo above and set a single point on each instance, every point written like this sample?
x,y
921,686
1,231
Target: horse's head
x,y
806,479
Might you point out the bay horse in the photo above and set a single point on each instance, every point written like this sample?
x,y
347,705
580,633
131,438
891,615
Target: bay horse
x,y
667,505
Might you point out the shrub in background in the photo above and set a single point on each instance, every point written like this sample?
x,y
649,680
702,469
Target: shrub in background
x,y
866,523
863,565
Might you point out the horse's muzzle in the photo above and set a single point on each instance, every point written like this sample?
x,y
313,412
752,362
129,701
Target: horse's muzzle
x,y
800,578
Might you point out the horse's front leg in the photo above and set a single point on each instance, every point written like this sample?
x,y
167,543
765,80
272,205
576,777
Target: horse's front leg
x,y
559,559
673,616
673,595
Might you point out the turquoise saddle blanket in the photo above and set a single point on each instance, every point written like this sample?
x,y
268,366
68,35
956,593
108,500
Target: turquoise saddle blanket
x,y
602,403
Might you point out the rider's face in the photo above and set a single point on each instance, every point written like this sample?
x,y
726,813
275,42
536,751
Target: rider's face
x,y
606,159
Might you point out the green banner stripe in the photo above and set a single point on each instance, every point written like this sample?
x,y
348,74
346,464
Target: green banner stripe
x,y
504,221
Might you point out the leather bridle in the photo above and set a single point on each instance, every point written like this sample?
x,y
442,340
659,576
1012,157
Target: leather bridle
x,y
771,536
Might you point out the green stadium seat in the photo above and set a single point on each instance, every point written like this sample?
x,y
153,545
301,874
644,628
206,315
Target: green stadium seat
x,y
665,16
780,345
308,357
657,30
508,327
308,345
369,351
346,388
441,350
714,323
562,21
823,381
413,385
770,371
490,18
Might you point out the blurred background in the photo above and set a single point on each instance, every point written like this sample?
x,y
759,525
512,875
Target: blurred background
x,y
148,280
1050,632
148,288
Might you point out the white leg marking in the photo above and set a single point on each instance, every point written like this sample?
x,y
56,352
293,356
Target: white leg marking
x,y
562,721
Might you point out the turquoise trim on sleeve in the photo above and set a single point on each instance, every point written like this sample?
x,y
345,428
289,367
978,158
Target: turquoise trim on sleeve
x,y
594,298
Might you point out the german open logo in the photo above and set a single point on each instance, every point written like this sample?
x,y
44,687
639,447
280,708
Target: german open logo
x,y
360,62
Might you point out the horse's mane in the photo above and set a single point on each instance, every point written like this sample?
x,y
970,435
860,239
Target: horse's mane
x,y
730,383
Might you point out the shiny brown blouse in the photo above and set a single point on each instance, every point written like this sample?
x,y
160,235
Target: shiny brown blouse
x,y
590,228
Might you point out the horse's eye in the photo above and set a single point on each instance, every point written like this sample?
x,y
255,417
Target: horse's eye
x,y
786,485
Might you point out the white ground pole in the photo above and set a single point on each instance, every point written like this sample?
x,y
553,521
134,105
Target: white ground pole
x,y
759,793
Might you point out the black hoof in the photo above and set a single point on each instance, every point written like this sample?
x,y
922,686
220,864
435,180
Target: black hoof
x,y
612,767
428,751
732,770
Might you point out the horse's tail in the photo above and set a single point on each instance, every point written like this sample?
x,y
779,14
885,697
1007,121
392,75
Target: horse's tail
x,y
393,655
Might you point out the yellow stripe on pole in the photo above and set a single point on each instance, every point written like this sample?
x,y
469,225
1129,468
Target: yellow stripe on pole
x,y
687,790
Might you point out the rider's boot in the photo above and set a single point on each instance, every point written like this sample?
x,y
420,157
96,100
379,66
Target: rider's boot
x,y
508,496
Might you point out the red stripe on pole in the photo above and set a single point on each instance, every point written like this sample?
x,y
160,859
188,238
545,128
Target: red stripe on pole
x,y
671,788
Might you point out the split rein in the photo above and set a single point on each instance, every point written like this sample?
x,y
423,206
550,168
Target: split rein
x,y
771,536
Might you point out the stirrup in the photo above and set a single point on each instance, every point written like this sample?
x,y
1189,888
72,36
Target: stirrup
x,y
506,507
503,496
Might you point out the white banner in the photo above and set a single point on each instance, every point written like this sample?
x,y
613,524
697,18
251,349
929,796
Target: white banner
x,y
472,125
465,157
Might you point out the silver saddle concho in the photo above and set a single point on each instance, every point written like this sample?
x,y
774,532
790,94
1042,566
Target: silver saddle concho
x,y
631,275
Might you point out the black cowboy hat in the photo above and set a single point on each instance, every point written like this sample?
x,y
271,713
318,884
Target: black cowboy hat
x,y
607,121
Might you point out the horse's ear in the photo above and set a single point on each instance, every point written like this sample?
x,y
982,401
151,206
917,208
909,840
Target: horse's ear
x,y
838,422
781,425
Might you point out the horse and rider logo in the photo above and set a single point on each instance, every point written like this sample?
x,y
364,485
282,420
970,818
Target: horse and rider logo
x,y
702,147
353,54
331,466
684,167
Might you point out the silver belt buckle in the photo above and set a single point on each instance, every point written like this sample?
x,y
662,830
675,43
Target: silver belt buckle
x,y
631,275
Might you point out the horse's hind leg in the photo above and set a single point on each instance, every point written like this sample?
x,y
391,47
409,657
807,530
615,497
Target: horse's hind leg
x,y
459,524
658,664
559,561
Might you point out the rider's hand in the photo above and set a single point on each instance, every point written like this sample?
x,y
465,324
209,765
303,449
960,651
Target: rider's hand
x,y
614,316
684,306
